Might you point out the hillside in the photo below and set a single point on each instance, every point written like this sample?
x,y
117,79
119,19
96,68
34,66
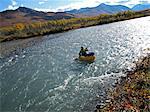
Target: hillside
x,y
27,15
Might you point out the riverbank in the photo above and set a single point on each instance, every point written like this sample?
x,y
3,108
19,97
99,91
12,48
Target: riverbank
x,y
133,91
22,31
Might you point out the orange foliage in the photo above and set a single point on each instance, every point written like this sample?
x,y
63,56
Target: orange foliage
x,y
19,26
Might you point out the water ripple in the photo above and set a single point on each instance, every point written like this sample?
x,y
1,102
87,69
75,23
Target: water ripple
x,y
43,76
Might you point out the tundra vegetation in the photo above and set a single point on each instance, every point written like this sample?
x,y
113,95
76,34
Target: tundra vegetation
x,y
22,30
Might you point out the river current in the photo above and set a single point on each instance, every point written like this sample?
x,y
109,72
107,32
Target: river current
x,y
40,74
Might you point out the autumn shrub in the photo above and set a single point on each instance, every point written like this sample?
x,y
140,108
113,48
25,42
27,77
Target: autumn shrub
x,y
21,30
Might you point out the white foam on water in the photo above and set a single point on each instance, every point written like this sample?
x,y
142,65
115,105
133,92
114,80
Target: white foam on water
x,y
66,81
100,79
11,59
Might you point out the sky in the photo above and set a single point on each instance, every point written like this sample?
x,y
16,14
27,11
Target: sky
x,y
63,5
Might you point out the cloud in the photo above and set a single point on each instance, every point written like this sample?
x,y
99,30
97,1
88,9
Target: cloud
x,y
144,1
14,2
43,0
123,1
41,3
22,5
46,9
13,5
131,3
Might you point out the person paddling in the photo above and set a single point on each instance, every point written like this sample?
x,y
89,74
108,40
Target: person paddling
x,y
83,52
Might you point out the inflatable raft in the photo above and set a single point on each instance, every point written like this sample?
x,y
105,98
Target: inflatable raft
x,y
87,58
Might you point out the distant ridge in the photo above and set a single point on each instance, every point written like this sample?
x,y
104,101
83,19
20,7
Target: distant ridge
x,y
141,7
101,9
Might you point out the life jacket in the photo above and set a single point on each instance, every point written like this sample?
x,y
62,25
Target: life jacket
x,y
82,52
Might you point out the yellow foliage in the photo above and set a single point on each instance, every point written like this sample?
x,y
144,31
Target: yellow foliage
x,y
19,26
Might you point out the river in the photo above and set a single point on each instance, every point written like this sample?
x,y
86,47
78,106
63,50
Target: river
x,y
40,74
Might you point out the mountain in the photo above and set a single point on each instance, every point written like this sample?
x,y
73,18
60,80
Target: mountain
x,y
141,7
101,9
27,15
